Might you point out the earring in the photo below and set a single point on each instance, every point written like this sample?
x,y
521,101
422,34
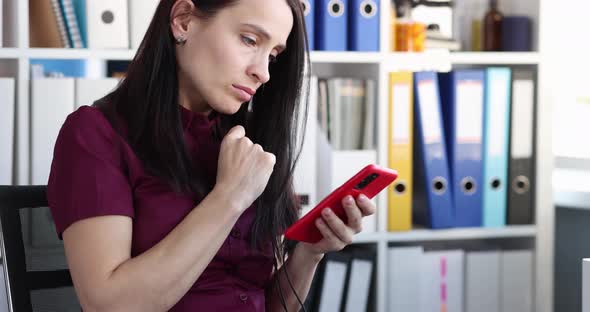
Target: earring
x,y
180,40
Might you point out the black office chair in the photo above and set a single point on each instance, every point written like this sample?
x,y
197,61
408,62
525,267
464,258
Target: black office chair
x,y
19,281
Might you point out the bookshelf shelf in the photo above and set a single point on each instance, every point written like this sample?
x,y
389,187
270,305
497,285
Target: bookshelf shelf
x,y
365,238
427,235
495,58
346,57
47,53
462,234
435,60
9,53
429,60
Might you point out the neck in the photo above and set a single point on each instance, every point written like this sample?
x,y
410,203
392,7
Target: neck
x,y
190,99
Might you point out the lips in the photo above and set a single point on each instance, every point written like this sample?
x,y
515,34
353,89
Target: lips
x,y
244,93
245,89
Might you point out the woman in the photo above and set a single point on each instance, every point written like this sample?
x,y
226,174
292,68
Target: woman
x,y
163,199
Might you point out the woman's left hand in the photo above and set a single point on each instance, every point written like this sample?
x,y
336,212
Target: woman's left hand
x,y
338,234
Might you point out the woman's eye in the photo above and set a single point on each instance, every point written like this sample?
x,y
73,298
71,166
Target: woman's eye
x,y
249,41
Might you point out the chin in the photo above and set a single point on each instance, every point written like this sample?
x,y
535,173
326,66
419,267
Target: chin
x,y
229,109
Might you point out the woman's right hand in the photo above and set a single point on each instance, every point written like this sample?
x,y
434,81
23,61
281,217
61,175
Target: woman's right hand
x,y
243,168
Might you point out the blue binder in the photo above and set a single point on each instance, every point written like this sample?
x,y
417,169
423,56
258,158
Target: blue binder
x,y
363,21
69,68
462,94
331,25
496,137
432,201
309,14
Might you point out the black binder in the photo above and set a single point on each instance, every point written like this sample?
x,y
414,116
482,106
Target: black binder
x,y
522,149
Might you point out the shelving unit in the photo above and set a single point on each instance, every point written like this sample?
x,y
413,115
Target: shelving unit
x,y
495,58
15,61
426,235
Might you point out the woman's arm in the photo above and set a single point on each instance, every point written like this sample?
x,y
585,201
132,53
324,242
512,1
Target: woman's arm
x,y
106,278
302,264
98,249
300,267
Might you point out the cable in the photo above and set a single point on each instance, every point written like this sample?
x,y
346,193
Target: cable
x,y
294,291
280,288
277,280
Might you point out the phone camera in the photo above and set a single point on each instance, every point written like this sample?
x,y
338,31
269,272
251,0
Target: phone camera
x,y
370,178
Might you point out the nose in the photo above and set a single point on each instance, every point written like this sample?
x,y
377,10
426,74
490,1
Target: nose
x,y
258,70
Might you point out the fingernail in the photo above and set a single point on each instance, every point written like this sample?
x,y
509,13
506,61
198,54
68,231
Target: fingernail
x,y
327,211
363,198
349,199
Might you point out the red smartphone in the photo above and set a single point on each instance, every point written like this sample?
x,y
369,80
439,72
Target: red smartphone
x,y
369,181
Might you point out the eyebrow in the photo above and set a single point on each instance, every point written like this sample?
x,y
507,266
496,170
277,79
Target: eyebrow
x,y
265,34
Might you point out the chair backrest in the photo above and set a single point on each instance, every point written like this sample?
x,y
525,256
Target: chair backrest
x,y
21,282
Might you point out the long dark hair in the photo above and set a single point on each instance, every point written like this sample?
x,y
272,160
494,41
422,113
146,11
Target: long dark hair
x,y
147,103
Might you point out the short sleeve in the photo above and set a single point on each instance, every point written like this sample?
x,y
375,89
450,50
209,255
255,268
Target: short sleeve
x,y
87,177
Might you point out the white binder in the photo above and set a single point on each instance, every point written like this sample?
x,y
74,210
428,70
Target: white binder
x,y
517,269
90,90
482,281
359,285
141,13
404,278
52,100
107,24
7,89
332,290
442,281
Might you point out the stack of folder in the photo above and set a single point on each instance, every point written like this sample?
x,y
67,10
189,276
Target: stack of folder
x,y
463,144
344,281
459,280
104,24
339,138
52,100
342,25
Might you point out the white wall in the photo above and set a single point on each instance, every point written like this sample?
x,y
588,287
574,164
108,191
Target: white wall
x,y
568,60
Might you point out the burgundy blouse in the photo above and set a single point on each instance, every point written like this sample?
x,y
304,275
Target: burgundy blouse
x,y
95,173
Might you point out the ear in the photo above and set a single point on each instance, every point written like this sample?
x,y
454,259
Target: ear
x,y
180,17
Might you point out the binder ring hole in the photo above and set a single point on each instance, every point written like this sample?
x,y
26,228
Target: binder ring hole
x,y
336,8
400,188
496,183
368,8
468,185
306,7
439,184
521,184
107,17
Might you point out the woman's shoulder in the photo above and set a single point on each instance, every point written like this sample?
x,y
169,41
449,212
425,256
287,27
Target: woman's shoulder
x,y
88,127
87,117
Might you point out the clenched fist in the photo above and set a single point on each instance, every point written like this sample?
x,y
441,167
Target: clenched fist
x,y
243,168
